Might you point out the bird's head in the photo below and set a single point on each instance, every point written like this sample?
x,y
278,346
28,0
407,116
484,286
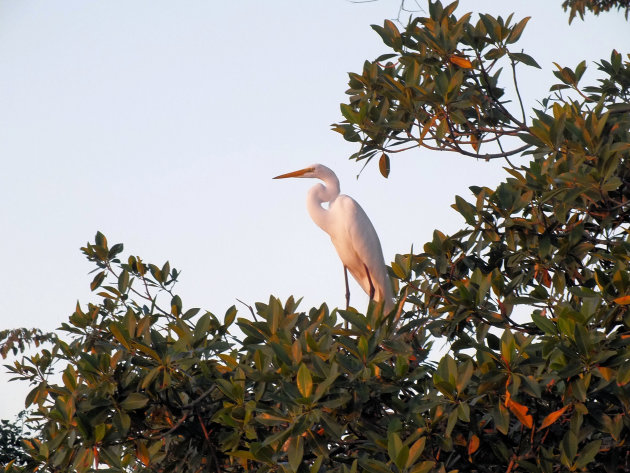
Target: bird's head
x,y
316,171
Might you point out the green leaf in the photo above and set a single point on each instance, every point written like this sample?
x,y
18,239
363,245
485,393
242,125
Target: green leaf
x,y
452,420
401,459
296,452
304,381
230,315
165,272
517,30
190,313
508,346
99,432
374,466
579,70
348,113
176,305
423,467
119,335
525,59
588,453
115,250
97,281
134,401
569,446
544,324
123,281
318,463
501,418
355,319
623,375
100,240
394,446
463,412
464,374
122,422
466,209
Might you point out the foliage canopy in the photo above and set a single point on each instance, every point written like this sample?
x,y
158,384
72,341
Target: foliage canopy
x,y
11,433
532,296
579,7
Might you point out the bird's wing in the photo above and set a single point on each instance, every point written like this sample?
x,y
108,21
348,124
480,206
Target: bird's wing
x,y
358,246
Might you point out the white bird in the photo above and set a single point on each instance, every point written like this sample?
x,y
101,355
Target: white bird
x,y
351,232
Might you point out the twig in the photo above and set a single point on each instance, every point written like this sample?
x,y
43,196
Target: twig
x,y
518,93
171,430
249,307
207,436
200,398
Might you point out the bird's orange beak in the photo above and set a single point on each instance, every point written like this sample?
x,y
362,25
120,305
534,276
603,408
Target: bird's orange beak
x,y
299,173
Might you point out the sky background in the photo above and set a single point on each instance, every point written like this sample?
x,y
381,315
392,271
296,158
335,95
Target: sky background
x,y
161,123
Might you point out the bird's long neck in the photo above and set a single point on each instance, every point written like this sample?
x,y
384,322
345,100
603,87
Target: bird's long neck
x,y
317,195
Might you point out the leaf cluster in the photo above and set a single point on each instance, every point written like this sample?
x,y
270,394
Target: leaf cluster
x,y
531,298
537,286
11,432
20,339
144,388
579,7
439,88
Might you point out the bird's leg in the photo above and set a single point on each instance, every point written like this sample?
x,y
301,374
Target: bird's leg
x,y
345,274
372,290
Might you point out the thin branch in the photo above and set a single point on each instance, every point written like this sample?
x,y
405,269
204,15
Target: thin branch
x,y
200,398
249,307
487,156
146,287
518,93
171,430
212,450
494,100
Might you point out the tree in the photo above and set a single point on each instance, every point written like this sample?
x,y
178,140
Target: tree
x,y
148,385
595,6
11,449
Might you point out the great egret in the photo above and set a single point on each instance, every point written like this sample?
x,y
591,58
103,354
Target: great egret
x,y
351,232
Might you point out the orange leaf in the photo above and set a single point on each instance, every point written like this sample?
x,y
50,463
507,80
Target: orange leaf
x,y
520,411
142,453
554,416
623,300
606,373
542,275
459,440
473,445
461,62
426,127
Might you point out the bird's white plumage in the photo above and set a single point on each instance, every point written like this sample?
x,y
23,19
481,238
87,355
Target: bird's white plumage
x,y
350,230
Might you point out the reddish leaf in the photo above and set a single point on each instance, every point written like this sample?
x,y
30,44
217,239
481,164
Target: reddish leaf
x,y
554,416
520,411
461,62
473,444
383,165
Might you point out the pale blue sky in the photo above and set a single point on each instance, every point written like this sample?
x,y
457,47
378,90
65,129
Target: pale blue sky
x,y
161,124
